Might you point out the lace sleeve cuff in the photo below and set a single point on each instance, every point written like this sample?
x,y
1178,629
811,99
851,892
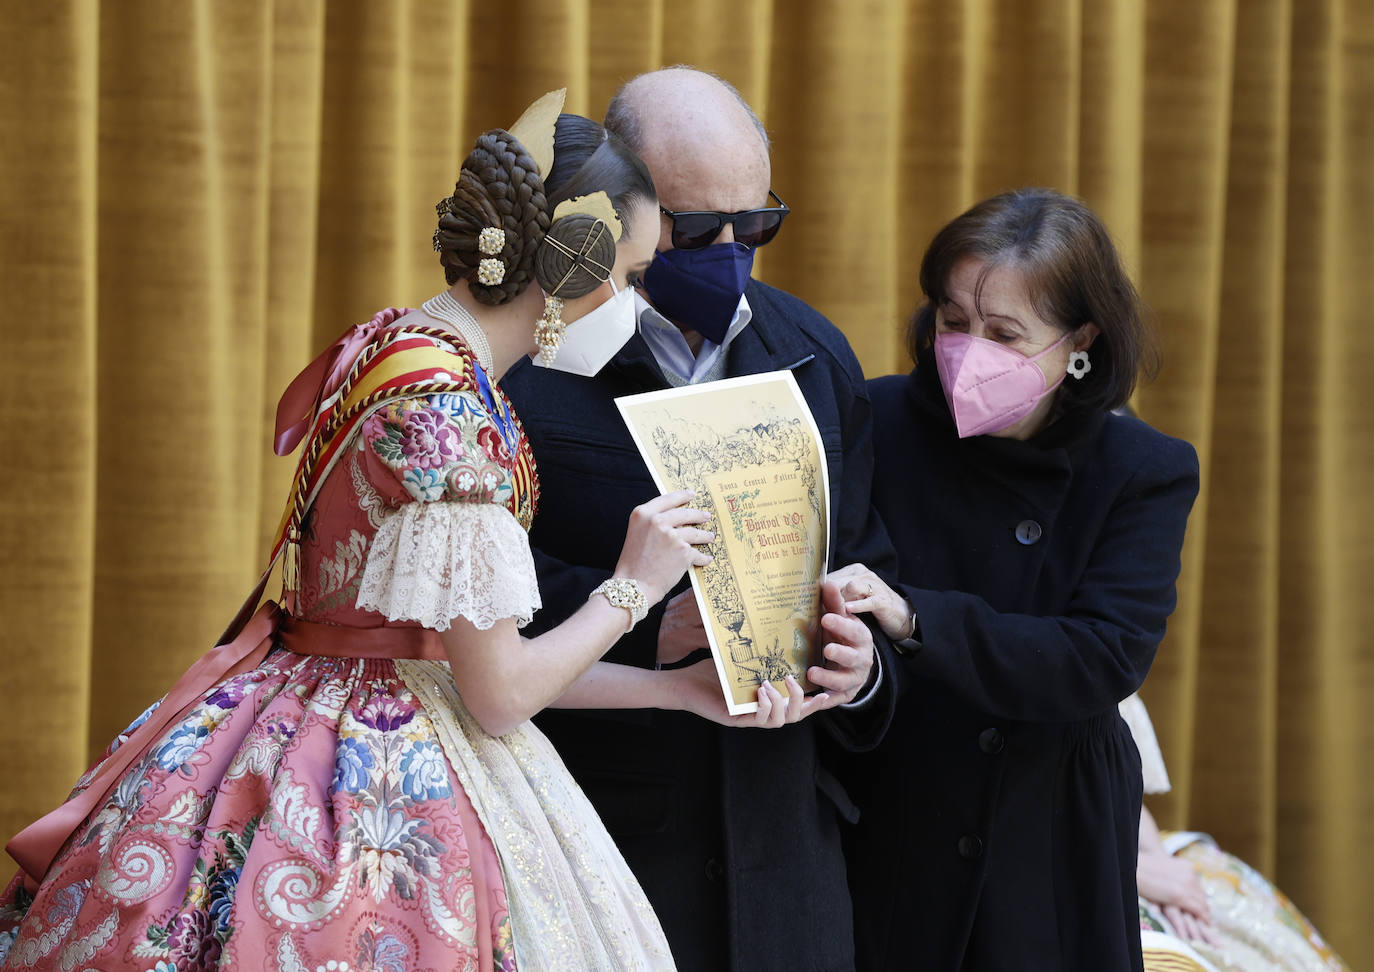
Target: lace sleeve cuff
x,y
432,562
1143,731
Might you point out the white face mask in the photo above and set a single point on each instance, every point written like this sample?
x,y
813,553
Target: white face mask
x,y
595,337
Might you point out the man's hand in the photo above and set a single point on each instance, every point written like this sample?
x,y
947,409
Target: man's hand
x,y
849,657
682,631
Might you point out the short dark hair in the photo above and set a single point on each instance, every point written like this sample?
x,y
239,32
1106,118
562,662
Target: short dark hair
x,y
1073,276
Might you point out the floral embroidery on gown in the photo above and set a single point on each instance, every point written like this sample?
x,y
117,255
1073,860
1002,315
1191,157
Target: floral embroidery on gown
x,y
328,812
1259,928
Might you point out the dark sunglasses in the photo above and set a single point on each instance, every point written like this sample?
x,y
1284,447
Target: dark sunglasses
x,y
753,227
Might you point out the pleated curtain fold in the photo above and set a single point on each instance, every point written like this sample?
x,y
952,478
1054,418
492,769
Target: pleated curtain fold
x,y
196,195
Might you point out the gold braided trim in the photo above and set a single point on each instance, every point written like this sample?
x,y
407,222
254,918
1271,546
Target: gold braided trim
x,y
363,390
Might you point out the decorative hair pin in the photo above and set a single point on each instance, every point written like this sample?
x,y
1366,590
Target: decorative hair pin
x,y
595,204
581,259
491,240
442,208
490,271
534,129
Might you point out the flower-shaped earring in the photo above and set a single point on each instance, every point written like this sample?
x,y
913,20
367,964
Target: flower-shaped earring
x,y
1079,365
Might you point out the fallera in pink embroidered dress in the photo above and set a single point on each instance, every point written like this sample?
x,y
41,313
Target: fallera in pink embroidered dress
x,y
335,813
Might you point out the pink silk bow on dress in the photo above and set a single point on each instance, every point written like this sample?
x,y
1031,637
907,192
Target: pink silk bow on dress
x,y
300,403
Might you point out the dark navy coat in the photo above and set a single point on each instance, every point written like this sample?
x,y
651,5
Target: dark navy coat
x,y
733,833
1000,814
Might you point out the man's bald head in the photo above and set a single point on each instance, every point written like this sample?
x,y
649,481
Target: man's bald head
x,y
704,146
671,86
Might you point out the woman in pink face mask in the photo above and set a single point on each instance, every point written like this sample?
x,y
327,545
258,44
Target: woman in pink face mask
x,y
1038,535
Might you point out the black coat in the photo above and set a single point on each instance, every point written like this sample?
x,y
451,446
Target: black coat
x,y
734,834
1000,814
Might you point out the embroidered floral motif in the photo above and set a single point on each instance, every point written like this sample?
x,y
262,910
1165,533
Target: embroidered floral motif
x,y
228,695
191,944
262,752
428,441
381,952
386,713
444,447
493,445
352,762
339,575
183,743
194,937
426,485
393,851
503,951
124,803
426,773
133,726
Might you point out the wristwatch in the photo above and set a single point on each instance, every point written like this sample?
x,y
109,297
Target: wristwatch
x,y
911,643
624,592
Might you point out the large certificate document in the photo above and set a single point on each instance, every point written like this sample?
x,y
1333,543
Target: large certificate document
x,y
750,449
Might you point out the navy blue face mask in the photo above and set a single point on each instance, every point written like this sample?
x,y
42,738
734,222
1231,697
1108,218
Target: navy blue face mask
x,y
700,289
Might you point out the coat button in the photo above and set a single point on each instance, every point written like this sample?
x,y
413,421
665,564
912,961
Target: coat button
x,y
715,870
1027,532
970,847
991,741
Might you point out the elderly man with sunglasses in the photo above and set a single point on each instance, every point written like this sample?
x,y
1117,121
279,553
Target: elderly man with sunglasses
x,y
734,833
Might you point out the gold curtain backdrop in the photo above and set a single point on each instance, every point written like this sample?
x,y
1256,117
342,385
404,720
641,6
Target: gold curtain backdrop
x,y
196,196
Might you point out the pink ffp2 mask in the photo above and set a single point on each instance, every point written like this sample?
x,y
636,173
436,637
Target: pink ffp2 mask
x,y
989,386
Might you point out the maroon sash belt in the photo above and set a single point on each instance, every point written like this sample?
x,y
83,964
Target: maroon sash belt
x,y
338,641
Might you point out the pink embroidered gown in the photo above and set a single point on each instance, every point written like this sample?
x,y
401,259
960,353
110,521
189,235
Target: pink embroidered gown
x,y
347,813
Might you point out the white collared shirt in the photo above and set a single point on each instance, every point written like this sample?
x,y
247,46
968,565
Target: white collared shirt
x,y
670,348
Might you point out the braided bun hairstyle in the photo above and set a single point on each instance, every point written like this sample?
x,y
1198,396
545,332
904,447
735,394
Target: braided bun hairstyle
x,y
575,256
499,185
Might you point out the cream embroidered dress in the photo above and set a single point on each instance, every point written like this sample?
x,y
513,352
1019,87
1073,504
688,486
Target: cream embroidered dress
x,y
1260,929
340,810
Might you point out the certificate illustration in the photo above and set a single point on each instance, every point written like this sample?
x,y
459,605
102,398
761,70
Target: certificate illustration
x,y
750,449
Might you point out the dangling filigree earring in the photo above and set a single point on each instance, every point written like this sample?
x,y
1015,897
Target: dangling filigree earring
x,y
548,330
